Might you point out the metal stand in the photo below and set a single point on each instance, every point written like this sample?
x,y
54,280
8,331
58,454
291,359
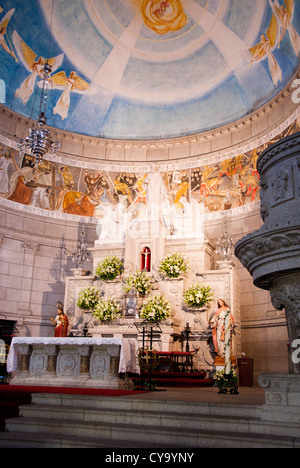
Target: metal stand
x,y
148,357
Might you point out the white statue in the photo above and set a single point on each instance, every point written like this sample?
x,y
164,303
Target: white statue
x,y
115,221
156,192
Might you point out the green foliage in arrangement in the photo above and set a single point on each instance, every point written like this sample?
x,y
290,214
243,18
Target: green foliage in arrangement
x,y
198,295
107,310
109,268
173,265
155,309
88,298
139,281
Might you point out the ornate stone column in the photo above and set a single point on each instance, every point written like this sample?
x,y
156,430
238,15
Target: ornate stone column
x,y
272,254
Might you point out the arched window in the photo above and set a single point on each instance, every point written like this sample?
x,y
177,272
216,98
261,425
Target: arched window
x,y
146,259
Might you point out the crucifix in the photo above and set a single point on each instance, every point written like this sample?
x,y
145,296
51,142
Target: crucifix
x,y
146,259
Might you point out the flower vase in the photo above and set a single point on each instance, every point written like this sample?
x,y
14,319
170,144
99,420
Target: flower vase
x,y
197,309
79,271
114,280
178,278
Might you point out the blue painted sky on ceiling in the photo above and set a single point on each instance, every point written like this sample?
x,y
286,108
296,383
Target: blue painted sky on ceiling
x,y
146,69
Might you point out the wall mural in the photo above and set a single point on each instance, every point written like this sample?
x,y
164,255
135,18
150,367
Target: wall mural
x,y
147,69
73,190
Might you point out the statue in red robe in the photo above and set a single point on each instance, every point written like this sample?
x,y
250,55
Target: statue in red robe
x,y
61,323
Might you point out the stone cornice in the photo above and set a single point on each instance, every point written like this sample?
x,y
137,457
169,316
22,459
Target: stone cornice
x,y
181,153
189,163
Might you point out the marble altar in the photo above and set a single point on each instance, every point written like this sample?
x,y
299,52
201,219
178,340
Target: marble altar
x,y
72,362
198,253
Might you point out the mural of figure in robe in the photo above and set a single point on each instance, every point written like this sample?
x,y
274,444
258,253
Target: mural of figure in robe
x,y
72,83
285,15
265,48
5,164
3,31
35,67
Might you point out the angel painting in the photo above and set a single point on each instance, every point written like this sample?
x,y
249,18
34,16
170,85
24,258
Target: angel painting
x,y
72,83
35,67
285,15
3,31
264,50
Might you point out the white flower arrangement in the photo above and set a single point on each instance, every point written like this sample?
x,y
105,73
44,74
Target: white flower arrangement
x,y
107,310
109,268
139,281
198,295
173,265
88,298
155,309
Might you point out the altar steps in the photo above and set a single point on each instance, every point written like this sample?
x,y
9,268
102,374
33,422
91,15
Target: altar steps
x,y
59,420
9,404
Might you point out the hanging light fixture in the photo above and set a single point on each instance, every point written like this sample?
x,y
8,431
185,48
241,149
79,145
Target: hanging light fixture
x,y
80,254
39,141
225,244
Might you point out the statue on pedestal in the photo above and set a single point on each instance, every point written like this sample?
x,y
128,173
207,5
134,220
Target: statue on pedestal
x,y
156,192
218,325
61,322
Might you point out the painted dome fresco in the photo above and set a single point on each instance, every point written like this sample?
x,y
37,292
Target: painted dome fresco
x,y
146,69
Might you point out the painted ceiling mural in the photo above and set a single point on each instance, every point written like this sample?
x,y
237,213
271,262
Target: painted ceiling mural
x,y
108,195
147,69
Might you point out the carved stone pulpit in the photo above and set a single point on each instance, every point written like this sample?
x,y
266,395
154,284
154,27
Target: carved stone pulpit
x,y
272,254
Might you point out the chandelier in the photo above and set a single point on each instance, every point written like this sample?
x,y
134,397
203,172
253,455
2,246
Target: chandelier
x,y
225,245
80,254
39,141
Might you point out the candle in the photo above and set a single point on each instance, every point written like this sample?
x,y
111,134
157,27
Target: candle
x,y
227,343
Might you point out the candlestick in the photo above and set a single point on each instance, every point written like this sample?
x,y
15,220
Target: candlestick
x,y
227,343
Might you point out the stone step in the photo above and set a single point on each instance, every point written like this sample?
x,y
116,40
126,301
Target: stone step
x,y
191,421
45,440
75,421
131,404
56,434
142,417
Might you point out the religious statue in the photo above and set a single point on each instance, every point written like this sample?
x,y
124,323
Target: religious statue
x,y
156,192
217,323
61,322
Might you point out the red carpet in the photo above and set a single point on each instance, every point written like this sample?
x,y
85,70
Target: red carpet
x,y
175,379
13,396
23,389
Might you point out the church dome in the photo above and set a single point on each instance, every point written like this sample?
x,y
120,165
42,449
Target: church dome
x,y
146,69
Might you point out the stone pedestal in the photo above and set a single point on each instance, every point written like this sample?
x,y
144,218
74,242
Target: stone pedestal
x,y
272,254
282,399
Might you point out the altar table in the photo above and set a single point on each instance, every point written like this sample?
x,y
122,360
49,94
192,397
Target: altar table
x,y
72,362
